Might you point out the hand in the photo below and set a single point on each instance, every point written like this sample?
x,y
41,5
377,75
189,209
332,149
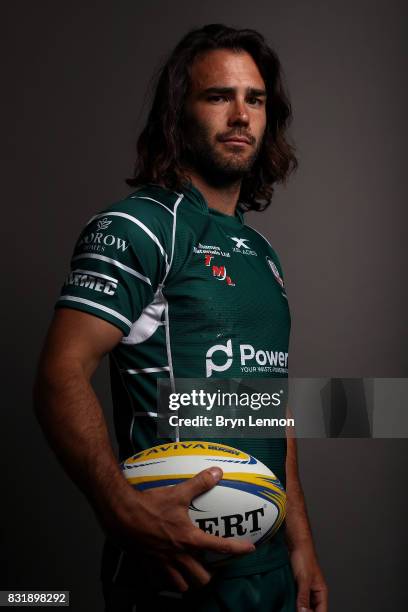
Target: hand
x,y
312,588
157,521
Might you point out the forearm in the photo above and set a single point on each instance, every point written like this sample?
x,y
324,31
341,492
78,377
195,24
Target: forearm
x,y
311,586
73,422
298,531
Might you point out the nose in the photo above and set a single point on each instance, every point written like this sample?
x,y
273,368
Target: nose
x,y
239,114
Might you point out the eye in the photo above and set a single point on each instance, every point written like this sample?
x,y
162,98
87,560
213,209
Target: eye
x,y
253,100
216,98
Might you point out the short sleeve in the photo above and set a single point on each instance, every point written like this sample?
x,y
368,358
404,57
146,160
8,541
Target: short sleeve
x,y
116,268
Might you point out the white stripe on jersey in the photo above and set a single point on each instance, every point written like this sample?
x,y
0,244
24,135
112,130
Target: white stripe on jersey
x,y
135,197
166,311
147,370
173,242
259,234
114,262
120,559
110,311
139,224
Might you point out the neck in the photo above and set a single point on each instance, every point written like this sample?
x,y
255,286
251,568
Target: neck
x,y
223,198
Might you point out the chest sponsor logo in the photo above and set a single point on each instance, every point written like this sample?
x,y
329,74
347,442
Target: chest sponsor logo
x,y
219,272
100,283
211,249
275,271
242,247
98,241
251,359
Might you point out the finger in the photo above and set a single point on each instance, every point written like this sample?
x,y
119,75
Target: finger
x,y
199,575
320,600
227,546
303,597
176,578
200,483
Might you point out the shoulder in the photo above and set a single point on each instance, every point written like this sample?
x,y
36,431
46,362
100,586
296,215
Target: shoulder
x,y
264,243
146,215
270,253
149,205
151,200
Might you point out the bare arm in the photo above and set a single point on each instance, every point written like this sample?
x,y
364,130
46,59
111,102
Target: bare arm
x,y
298,529
312,589
73,422
67,407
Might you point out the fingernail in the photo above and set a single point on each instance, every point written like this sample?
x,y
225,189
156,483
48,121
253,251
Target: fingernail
x,y
216,473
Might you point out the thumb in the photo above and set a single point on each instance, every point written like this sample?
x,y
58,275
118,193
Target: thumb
x,y
200,483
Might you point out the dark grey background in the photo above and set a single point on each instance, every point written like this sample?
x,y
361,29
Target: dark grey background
x,y
74,85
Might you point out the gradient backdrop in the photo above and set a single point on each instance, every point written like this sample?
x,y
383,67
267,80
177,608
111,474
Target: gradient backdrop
x,y
74,97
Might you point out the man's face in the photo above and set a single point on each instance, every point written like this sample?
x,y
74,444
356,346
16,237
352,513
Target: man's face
x,y
225,114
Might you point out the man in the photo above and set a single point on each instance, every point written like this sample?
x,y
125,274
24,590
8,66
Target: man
x,y
163,281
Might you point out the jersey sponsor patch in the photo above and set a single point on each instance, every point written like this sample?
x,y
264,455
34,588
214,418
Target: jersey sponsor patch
x,y
251,359
92,280
98,239
219,272
210,249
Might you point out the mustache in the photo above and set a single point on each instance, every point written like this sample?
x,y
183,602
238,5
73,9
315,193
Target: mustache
x,y
236,134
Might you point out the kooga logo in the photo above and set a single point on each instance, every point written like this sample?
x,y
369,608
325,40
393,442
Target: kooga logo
x,y
248,354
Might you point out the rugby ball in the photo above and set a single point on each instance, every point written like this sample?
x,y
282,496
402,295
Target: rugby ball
x,y
248,502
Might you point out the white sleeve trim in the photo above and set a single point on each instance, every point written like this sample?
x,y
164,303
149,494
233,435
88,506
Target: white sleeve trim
x,y
73,298
114,262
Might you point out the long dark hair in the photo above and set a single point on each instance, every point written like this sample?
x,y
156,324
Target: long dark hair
x,y
160,144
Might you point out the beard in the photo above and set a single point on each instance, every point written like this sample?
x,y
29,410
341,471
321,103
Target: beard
x,y
218,167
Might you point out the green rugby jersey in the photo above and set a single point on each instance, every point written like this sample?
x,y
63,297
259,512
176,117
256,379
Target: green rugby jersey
x,y
197,294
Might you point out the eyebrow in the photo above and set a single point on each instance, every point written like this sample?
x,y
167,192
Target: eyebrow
x,y
253,91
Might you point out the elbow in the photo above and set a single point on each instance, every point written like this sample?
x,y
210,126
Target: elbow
x,y
44,383
53,376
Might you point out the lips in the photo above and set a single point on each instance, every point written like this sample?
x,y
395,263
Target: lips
x,y
237,139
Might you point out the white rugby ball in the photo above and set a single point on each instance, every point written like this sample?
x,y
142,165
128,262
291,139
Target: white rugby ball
x,y
248,502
